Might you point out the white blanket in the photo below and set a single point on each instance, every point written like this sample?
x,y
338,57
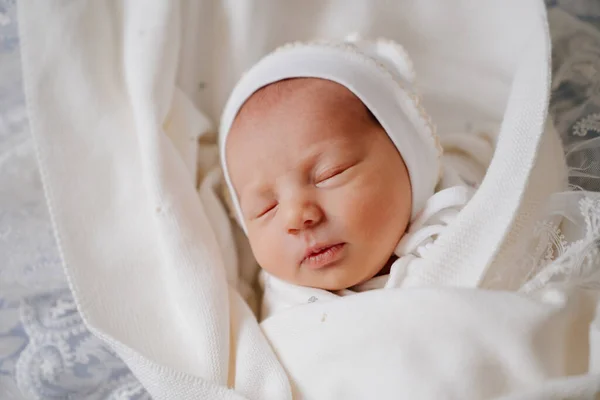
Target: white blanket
x,y
151,264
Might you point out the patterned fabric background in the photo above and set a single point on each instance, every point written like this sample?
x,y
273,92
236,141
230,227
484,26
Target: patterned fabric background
x,y
45,350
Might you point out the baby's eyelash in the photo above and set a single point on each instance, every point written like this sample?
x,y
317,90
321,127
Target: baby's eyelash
x,y
266,210
328,174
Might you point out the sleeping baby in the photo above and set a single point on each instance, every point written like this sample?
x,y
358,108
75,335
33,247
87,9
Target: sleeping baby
x,y
335,171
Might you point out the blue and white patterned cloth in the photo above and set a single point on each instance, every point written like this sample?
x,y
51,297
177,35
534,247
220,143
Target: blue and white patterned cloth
x,y
46,352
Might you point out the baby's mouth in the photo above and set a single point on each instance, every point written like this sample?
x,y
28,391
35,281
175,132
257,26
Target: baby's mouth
x,y
322,256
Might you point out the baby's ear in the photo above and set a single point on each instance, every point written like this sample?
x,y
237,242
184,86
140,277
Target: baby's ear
x,y
389,53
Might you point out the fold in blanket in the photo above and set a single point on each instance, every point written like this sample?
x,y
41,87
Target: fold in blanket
x,y
147,256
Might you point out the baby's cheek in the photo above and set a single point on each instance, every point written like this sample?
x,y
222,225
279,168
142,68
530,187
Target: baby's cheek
x,y
364,209
270,252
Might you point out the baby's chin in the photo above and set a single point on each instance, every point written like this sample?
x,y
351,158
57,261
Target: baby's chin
x,y
336,278
347,277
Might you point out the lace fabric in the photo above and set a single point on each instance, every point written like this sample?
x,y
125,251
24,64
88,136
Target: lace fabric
x,y
62,351
47,353
564,248
29,256
564,255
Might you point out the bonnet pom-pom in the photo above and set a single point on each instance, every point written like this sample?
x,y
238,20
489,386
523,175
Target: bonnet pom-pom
x,y
391,54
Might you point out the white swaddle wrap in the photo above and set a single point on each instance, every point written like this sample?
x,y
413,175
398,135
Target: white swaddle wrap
x,y
112,89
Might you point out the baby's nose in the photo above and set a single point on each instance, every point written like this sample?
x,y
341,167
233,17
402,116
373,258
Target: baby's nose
x,y
302,215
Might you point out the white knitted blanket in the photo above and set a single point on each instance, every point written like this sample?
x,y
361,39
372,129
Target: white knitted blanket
x,y
153,265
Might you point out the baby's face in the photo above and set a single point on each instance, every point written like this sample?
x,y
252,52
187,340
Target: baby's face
x,y
324,193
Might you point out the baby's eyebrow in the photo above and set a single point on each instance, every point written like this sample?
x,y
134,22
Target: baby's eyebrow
x,y
256,188
317,152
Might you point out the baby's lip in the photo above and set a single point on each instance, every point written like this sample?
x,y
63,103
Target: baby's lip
x,y
317,248
311,252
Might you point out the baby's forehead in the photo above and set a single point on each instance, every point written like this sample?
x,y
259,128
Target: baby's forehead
x,y
334,99
297,119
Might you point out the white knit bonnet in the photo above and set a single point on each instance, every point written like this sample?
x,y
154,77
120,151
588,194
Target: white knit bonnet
x,y
380,74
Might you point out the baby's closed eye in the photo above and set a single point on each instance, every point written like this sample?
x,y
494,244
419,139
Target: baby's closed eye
x,y
330,176
257,204
266,209
259,209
